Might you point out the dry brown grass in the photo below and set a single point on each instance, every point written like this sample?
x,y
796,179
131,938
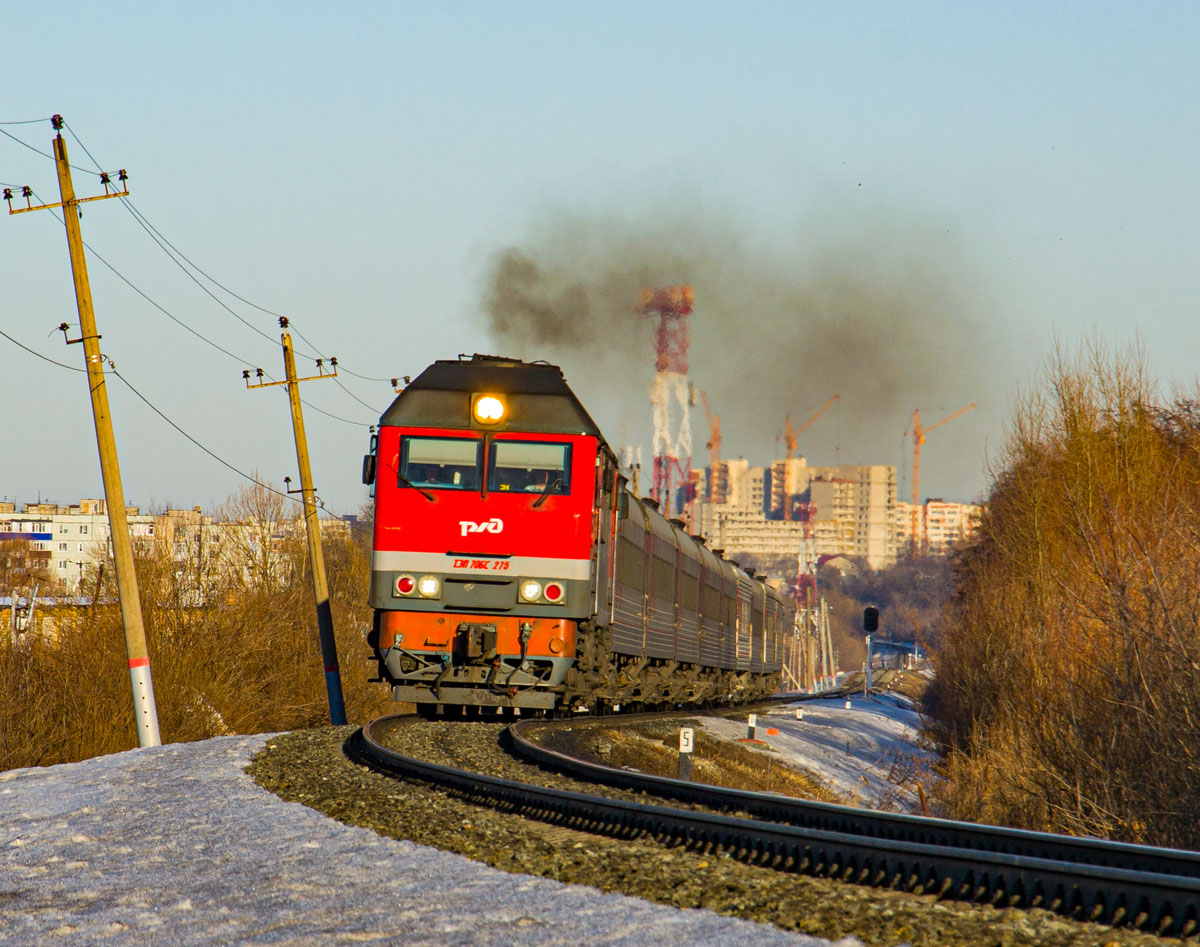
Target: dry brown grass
x,y
248,662
653,748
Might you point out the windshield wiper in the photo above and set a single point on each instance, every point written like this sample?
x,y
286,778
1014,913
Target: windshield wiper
x,y
550,488
408,483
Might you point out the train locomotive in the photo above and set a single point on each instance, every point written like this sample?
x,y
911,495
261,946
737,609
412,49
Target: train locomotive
x,y
512,568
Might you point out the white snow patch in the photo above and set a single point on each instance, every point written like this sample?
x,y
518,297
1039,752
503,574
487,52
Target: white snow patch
x,y
272,872
856,751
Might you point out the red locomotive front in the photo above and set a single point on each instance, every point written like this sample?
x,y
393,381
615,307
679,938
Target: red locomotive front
x,y
488,508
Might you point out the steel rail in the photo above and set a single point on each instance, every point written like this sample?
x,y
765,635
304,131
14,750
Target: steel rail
x,y
1165,904
832,817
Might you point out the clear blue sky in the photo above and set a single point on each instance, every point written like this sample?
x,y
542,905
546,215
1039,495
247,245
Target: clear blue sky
x,y
359,167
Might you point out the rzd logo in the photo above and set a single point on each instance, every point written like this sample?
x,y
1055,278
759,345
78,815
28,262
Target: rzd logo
x,y
487,526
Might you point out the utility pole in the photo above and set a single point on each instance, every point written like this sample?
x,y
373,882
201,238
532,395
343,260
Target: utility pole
x,y
144,710
333,677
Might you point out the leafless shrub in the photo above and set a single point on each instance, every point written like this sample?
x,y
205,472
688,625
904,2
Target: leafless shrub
x,y
1066,695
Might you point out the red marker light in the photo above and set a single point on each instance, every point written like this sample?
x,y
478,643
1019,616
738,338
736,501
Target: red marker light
x,y
405,584
553,592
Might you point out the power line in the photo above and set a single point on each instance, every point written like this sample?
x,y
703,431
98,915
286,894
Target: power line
x,y
213,454
90,338
240,360
39,354
28,121
249,325
163,242
149,404
353,395
154,234
83,146
25,144
160,308
157,235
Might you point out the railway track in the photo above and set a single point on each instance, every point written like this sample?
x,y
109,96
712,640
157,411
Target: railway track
x,y
1141,887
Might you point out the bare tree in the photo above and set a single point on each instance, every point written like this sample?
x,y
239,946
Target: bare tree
x,y
1067,676
259,525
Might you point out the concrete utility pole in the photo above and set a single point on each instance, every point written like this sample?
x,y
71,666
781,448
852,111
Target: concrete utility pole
x,y
145,712
333,677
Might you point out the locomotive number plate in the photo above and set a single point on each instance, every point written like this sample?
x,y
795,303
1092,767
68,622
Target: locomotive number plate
x,y
482,565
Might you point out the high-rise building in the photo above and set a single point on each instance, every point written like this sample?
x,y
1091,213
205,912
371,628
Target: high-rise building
x,y
793,509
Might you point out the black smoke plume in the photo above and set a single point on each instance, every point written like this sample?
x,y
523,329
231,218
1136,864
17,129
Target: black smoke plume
x,y
883,311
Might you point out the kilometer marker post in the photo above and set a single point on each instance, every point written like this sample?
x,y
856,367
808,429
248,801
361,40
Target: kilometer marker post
x,y
686,744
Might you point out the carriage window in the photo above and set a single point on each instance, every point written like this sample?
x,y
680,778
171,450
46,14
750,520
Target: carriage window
x,y
444,463
525,467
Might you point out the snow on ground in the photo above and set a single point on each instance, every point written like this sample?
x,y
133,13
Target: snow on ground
x,y
176,845
854,749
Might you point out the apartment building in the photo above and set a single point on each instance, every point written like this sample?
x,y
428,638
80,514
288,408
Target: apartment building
x,y
68,544
793,509
938,525
68,540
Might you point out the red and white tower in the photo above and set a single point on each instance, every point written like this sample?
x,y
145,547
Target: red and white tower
x,y
670,394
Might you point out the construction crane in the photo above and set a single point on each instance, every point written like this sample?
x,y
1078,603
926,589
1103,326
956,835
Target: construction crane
x,y
790,434
717,485
918,436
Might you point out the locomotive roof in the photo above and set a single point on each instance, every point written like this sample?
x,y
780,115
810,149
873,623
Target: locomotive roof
x,y
538,396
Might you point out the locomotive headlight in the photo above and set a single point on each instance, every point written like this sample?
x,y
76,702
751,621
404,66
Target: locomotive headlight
x,y
531,590
488,409
429,586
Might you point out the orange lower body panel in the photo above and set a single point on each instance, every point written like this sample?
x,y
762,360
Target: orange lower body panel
x,y
434,631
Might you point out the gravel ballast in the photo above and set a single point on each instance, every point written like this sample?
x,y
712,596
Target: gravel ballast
x,y
311,767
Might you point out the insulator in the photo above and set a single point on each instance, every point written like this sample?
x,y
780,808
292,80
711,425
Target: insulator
x,y
27,191
8,194
333,361
57,122
104,178
260,372
320,362
283,323
246,374
122,176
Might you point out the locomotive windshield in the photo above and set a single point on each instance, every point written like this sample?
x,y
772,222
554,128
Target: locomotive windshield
x,y
456,463
445,463
529,467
